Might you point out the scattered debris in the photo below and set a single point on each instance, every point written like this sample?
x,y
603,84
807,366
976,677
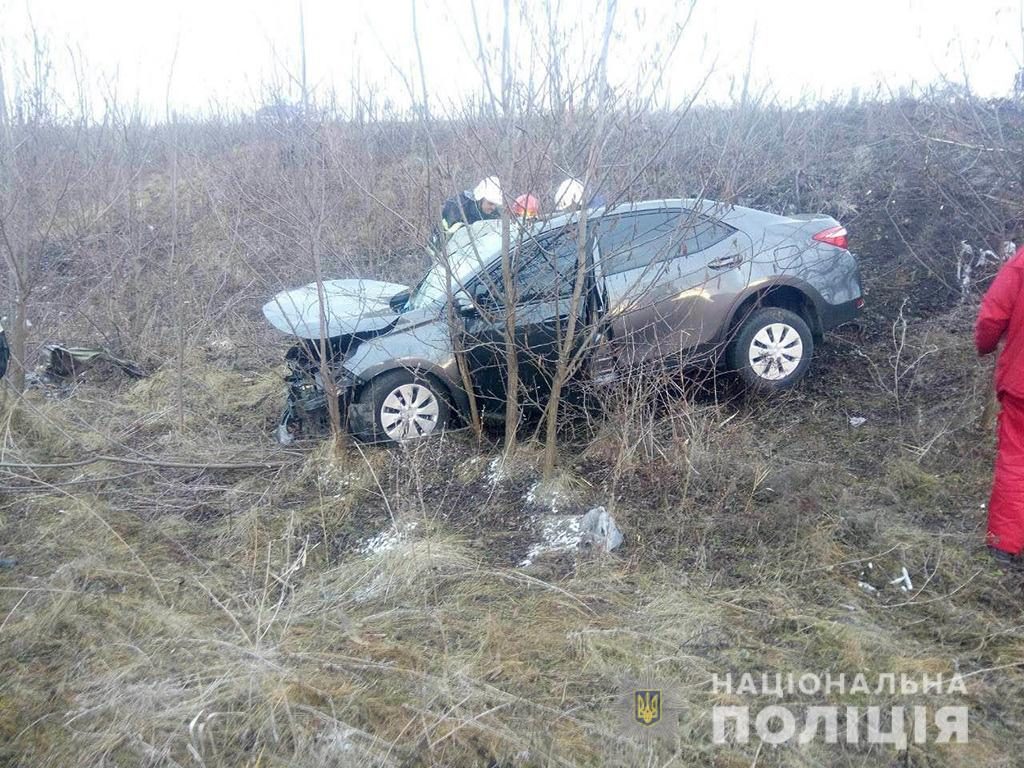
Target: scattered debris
x,y
599,532
595,531
68,362
868,580
872,581
969,260
284,435
856,421
904,581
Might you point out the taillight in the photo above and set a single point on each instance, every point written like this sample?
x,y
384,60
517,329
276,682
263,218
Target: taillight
x,y
833,236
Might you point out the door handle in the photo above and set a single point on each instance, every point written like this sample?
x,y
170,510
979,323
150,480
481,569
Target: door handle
x,y
726,262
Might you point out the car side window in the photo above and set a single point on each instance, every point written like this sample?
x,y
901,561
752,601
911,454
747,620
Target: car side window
x,y
638,240
544,269
704,233
635,240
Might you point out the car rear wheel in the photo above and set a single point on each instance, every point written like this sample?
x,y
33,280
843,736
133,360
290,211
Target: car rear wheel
x,y
772,350
398,406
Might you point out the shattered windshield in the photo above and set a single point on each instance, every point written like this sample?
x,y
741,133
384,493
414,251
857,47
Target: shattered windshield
x,y
470,249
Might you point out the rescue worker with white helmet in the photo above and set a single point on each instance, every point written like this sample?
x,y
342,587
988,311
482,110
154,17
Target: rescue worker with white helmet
x,y
569,197
482,202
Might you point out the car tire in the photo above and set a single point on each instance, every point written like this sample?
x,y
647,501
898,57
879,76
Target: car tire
x,y
398,406
772,350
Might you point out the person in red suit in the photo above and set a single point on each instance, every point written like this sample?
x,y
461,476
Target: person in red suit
x,y
1002,317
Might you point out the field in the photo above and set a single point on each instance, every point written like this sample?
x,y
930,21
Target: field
x,y
177,589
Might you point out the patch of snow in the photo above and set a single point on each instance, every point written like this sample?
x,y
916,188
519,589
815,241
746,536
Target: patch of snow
x,y
536,495
339,740
334,480
554,502
494,470
531,495
369,591
556,533
387,539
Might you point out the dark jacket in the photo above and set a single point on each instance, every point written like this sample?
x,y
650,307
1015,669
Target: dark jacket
x,y
463,209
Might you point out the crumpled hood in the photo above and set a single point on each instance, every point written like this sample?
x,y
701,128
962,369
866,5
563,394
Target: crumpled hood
x,y
352,306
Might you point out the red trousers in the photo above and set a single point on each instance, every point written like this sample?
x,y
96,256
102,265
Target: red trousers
x,y
1006,506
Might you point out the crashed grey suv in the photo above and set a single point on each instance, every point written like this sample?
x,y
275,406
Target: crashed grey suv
x,y
670,282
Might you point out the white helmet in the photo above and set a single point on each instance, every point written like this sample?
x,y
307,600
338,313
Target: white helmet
x,y
569,195
489,189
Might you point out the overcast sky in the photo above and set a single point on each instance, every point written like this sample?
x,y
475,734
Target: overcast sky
x,y
226,51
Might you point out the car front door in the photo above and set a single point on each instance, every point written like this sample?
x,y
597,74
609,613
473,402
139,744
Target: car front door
x,y
544,272
670,278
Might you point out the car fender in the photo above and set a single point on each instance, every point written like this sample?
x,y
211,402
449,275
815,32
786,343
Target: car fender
x,y
767,284
425,349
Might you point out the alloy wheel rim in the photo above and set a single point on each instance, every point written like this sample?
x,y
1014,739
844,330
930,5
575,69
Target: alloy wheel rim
x,y
408,412
776,351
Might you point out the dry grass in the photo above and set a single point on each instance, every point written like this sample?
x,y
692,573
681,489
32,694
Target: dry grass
x,y
245,617
350,605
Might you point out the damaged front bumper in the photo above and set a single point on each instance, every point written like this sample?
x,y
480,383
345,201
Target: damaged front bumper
x,y
306,410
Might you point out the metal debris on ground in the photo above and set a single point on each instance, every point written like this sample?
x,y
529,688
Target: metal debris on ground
x,y
904,581
598,531
595,531
67,362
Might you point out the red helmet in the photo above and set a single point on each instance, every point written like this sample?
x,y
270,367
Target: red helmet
x,y
526,205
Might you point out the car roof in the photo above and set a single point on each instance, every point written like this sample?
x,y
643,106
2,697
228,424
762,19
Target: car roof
x,y
700,204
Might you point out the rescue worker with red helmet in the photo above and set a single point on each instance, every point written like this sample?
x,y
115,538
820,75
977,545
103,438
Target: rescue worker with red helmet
x,y
525,207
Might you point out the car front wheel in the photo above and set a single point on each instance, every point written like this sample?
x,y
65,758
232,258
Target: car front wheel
x,y
398,406
772,350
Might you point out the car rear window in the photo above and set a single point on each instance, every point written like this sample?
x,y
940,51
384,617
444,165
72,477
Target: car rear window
x,y
633,241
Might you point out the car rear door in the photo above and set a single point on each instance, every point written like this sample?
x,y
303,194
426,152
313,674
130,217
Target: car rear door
x,y
670,277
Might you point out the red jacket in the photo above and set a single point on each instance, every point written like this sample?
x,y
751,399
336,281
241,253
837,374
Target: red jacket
x,y
1002,313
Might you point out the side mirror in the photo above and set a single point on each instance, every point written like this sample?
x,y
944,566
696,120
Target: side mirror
x,y
464,306
398,301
